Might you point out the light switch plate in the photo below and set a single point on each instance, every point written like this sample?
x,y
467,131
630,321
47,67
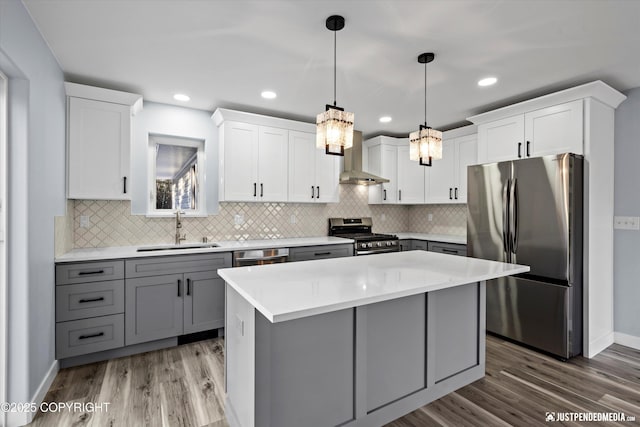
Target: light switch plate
x,y
626,223
238,219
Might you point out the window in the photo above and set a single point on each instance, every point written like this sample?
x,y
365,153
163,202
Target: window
x,y
176,178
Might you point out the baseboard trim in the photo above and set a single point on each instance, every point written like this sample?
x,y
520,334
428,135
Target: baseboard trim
x,y
627,340
38,396
599,344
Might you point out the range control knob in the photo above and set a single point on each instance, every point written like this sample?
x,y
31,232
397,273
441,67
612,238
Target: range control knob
x,y
379,244
369,245
363,245
389,243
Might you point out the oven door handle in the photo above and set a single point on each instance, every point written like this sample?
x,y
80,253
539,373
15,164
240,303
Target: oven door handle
x,y
379,251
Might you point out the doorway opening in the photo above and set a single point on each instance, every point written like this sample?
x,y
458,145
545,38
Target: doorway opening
x,y
3,251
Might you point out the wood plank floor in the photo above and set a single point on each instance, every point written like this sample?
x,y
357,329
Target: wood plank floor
x,y
183,386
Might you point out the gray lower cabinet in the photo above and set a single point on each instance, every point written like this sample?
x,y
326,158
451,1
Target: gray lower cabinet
x,y
405,244
186,298
306,253
419,245
448,248
89,307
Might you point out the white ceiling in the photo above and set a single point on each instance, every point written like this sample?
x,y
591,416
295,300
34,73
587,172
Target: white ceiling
x,y
224,53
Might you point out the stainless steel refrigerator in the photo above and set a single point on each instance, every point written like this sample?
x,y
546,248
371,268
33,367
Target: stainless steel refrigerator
x,y
529,212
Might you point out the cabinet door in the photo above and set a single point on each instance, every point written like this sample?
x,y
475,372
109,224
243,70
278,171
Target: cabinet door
x,y
466,155
273,160
389,168
410,178
327,177
302,167
554,130
440,186
498,140
203,302
153,308
98,150
239,175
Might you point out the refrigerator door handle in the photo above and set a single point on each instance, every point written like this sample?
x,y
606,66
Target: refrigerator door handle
x,y
513,216
505,219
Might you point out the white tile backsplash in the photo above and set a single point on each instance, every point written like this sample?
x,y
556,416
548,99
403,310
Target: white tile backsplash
x,y
111,222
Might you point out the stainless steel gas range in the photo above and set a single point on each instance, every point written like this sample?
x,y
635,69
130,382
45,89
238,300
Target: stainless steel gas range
x,y
366,242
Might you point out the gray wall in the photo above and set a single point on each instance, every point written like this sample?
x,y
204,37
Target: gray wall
x,y
627,203
36,186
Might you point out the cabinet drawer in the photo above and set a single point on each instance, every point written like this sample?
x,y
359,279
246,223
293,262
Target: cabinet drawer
x,y
89,300
83,272
156,266
448,248
89,335
320,252
419,245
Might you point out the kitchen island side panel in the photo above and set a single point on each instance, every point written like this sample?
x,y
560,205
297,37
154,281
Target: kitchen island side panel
x,y
352,367
305,370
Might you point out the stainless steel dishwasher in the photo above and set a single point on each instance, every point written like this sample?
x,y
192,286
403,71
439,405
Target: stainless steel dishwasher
x,y
260,257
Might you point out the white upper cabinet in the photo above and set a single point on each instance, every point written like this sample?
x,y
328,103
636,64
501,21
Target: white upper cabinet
x,y
446,180
239,161
254,163
268,159
410,178
313,175
550,130
273,160
389,158
99,142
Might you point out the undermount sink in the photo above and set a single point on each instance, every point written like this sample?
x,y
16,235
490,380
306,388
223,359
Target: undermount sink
x,y
177,247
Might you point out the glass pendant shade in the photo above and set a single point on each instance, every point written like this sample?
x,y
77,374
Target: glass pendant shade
x,y
425,145
334,131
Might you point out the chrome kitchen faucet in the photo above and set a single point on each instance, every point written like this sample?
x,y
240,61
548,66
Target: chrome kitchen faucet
x,y
179,237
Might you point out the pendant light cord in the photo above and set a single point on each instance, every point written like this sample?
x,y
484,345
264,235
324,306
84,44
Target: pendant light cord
x,y
425,94
335,44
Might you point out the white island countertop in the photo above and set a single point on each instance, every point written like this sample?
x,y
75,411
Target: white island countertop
x,y
119,252
290,291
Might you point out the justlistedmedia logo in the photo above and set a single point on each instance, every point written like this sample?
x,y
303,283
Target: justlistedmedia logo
x,y
587,416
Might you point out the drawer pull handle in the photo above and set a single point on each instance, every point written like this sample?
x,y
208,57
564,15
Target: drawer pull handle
x,y
91,300
450,190
528,144
125,185
449,251
255,189
84,337
322,253
261,190
179,285
87,273
318,187
519,148
188,287
313,193
456,193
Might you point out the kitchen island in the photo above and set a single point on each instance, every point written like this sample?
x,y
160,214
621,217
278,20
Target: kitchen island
x,y
353,341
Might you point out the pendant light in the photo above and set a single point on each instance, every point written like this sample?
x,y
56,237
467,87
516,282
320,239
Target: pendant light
x,y
425,144
334,127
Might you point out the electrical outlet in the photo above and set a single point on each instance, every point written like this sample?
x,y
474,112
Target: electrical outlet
x,y
85,221
238,219
293,219
626,223
430,217
383,217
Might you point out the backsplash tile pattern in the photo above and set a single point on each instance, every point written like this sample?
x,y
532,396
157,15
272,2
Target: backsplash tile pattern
x,y
447,219
111,222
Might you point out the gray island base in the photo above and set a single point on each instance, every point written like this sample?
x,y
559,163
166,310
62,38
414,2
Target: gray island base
x,y
409,338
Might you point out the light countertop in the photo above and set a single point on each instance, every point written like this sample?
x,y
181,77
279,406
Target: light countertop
x,y
294,290
446,238
118,252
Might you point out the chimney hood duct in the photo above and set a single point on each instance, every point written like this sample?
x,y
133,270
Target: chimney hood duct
x,y
353,173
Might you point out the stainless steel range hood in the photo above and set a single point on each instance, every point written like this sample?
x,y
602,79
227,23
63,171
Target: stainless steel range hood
x,y
353,173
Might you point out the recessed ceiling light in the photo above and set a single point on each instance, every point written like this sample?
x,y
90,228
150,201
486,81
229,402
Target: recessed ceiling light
x,y
268,94
385,119
181,97
487,81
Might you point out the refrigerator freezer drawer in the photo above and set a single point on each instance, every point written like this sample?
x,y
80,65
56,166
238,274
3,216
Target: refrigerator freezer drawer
x,y
535,313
